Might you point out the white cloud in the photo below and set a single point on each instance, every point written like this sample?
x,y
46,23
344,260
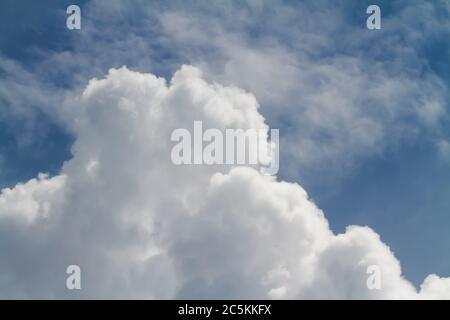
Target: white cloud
x,y
434,287
32,200
343,93
139,226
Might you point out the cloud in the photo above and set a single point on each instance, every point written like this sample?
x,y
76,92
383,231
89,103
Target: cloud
x,y
32,200
343,93
141,227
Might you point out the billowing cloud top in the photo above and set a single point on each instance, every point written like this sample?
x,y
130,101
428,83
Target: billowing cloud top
x,y
141,227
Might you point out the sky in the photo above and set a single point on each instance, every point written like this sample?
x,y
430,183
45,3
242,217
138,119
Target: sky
x,y
364,141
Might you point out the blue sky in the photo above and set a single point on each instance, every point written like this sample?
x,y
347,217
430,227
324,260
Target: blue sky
x,y
397,182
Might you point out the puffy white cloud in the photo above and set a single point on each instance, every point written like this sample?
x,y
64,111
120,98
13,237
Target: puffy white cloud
x,y
141,227
434,287
344,93
32,200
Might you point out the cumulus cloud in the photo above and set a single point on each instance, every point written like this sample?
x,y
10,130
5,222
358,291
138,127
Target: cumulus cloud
x,y
32,200
142,227
342,93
